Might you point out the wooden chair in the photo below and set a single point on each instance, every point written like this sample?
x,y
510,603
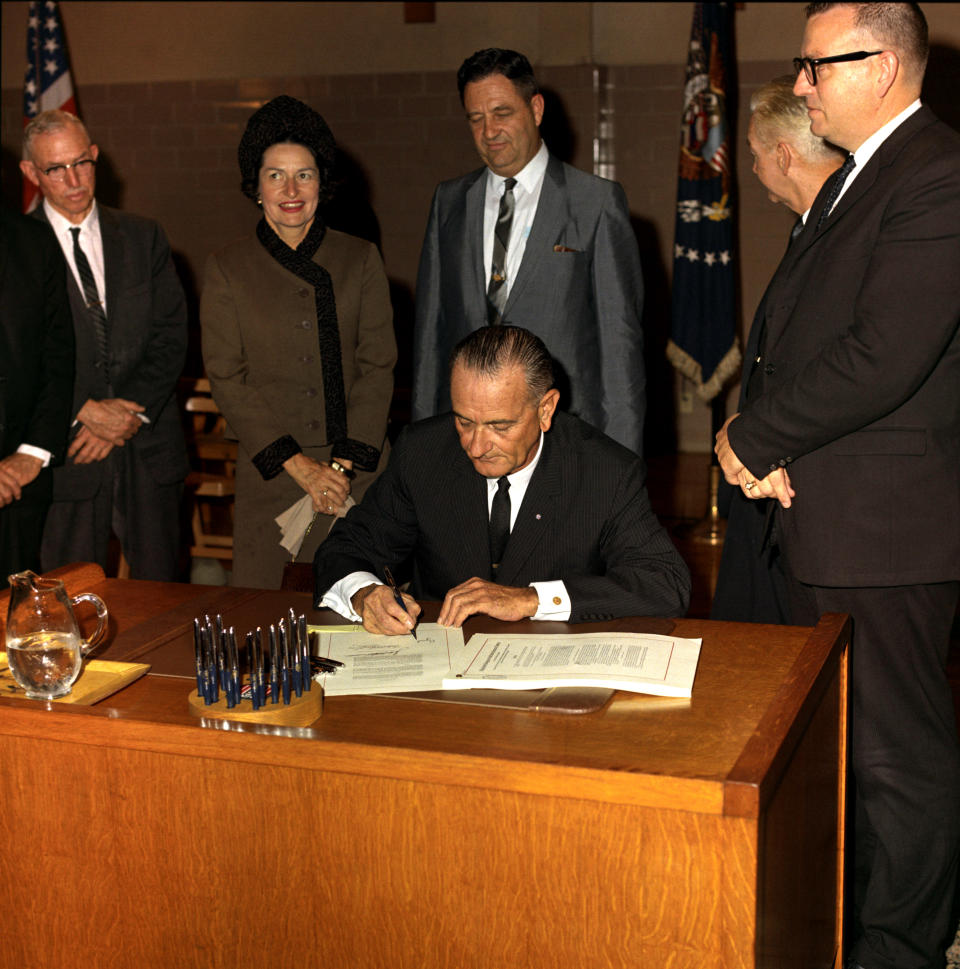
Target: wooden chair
x,y
211,482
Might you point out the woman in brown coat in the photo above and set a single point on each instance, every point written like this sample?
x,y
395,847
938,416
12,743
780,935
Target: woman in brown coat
x,y
298,344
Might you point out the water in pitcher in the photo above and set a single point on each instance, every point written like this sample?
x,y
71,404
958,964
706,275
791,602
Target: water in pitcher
x,y
45,664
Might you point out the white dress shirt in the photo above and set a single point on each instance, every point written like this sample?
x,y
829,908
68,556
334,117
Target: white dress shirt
x,y
526,194
866,151
554,600
90,242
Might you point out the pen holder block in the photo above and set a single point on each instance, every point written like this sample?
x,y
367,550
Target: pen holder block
x,y
299,712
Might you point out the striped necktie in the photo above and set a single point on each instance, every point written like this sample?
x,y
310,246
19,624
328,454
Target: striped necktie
x,y
91,297
496,291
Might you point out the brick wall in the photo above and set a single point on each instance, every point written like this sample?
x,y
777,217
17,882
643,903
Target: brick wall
x,y
168,150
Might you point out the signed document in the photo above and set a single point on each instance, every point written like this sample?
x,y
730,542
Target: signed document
x,y
640,663
389,664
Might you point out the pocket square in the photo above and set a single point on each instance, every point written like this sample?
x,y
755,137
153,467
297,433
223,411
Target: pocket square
x,y
565,249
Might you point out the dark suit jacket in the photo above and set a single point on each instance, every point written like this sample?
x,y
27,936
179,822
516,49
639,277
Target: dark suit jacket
x,y
751,586
585,301
585,519
36,344
861,389
147,337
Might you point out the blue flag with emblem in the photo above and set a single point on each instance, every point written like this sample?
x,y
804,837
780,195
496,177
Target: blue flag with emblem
x,y
703,342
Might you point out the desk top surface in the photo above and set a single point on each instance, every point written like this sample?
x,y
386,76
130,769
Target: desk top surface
x,y
755,687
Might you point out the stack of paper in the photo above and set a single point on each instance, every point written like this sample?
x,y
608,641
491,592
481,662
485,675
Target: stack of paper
x,y
438,660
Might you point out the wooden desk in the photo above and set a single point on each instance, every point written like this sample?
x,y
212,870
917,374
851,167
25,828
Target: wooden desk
x,y
394,833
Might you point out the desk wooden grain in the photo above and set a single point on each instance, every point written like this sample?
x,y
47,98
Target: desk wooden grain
x,y
400,833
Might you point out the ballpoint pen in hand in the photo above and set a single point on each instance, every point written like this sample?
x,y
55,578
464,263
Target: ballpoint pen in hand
x,y
396,595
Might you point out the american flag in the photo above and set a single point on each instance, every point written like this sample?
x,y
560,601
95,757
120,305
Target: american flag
x,y
47,84
703,343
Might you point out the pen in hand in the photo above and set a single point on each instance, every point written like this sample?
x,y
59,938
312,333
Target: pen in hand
x,y
396,595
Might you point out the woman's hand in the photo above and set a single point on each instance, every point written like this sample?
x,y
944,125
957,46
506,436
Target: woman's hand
x,y
327,488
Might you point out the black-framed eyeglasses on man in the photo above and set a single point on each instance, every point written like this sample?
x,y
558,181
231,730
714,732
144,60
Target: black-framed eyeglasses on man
x,y
82,166
809,65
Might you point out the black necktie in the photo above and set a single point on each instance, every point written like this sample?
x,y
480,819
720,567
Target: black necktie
x,y
499,525
91,297
842,174
797,229
496,291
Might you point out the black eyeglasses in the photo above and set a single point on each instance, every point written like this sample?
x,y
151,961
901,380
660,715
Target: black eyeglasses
x,y
58,173
809,65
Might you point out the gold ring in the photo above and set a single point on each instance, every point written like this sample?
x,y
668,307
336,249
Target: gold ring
x,y
750,485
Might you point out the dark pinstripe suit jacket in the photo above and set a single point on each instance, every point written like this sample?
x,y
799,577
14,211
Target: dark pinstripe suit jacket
x,y
585,519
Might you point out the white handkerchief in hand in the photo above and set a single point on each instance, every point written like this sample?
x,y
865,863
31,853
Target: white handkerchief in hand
x,y
295,522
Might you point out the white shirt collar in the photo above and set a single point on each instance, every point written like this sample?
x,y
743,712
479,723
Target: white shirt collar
x,y
519,479
866,151
522,477
62,226
529,177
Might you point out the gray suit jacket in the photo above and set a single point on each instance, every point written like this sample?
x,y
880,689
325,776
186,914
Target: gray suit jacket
x,y
147,340
585,519
579,288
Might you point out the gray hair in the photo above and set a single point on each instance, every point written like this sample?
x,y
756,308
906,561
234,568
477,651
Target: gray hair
x,y
491,350
46,123
777,112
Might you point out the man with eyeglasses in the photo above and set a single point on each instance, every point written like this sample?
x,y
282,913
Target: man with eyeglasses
x,y
126,459
855,429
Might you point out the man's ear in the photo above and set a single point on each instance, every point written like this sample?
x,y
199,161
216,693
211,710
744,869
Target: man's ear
x,y
547,407
30,172
889,70
784,157
536,105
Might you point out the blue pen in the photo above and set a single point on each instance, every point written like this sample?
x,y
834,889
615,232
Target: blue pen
x,y
252,678
198,653
274,666
396,596
285,660
305,648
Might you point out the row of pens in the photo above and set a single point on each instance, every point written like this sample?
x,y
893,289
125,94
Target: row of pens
x,y
282,670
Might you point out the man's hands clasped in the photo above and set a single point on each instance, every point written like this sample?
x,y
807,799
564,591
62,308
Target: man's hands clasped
x,y
775,485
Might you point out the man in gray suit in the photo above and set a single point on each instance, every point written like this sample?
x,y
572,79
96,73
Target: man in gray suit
x,y
126,459
531,241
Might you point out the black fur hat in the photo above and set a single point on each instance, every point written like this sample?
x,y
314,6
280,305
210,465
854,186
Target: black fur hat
x,y
284,119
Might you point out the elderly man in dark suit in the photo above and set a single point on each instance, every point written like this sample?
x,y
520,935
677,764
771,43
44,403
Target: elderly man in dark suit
x,y
126,461
792,164
36,384
855,428
531,241
507,507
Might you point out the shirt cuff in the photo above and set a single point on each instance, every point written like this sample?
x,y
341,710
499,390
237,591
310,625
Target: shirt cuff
x,y
36,452
555,602
338,597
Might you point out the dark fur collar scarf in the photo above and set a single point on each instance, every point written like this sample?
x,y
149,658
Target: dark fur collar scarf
x,y
300,262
